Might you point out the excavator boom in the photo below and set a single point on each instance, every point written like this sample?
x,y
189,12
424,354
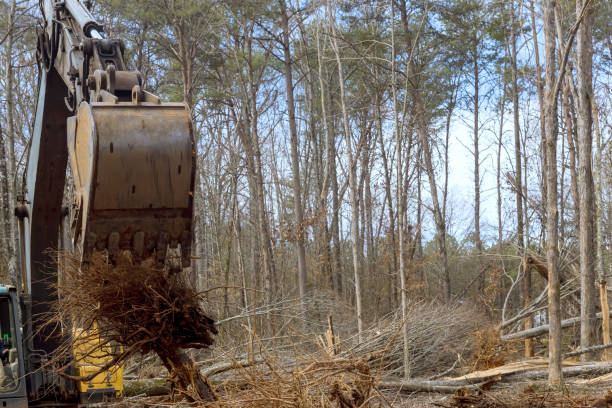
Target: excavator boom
x,y
111,168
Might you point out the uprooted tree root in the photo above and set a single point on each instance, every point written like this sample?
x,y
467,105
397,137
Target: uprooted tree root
x,y
141,308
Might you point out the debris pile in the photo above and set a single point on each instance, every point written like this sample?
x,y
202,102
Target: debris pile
x,y
321,383
438,335
141,308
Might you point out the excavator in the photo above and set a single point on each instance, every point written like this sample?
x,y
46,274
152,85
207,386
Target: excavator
x,y
110,169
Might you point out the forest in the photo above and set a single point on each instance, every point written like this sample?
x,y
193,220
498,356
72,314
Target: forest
x,y
431,178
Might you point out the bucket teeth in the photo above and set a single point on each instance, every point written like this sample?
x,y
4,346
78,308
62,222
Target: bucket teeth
x,y
161,249
113,246
186,249
138,247
90,244
164,251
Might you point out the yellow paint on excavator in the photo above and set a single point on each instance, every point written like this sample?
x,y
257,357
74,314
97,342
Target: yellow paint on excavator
x,y
91,353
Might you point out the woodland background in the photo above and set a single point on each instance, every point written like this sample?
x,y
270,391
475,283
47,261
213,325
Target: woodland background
x,y
329,136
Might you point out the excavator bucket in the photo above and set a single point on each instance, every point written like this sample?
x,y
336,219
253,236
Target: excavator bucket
x,y
132,166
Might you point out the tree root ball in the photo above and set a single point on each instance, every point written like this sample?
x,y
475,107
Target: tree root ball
x,y
141,308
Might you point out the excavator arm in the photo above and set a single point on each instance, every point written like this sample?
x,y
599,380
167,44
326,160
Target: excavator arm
x,y
125,160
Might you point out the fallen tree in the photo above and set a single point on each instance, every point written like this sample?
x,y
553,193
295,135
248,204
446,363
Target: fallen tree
x,y
541,330
520,371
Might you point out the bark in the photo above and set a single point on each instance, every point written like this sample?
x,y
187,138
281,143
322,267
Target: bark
x,y
11,238
400,204
520,231
584,42
555,375
295,158
5,242
553,85
605,318
571,147
540,89
603,283
477,239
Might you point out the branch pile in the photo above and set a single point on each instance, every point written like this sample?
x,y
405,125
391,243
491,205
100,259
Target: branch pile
x,y
437,335
139,307
325,382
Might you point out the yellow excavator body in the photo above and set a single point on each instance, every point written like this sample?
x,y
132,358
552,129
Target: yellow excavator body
x,y
107,385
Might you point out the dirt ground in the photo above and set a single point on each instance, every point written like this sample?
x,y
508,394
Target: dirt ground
x,y
532,394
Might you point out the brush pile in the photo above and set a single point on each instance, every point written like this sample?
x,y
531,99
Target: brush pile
x,y
437,335
321,382
141,308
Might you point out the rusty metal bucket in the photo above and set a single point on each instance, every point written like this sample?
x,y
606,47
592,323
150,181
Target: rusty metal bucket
x,y
133,167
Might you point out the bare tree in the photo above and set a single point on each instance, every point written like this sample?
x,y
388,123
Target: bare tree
x,y
520,230
584,43
295,158
9,145
555,374
554,80
352,171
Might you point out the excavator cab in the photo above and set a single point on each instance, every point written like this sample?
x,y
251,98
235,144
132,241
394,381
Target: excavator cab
x,y
12,381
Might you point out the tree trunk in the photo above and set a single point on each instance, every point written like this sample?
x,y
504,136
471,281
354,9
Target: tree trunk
x,y
6,249
586,192
10,146
540,88
520,232
352,170
400,204
555,375
603,283
477,239
295,158
422,131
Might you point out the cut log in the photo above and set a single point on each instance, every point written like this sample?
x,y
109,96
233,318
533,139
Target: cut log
x,y
586,369
525,370
229,365
541,330
597,380
149,387
424,386
512,368
588,350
